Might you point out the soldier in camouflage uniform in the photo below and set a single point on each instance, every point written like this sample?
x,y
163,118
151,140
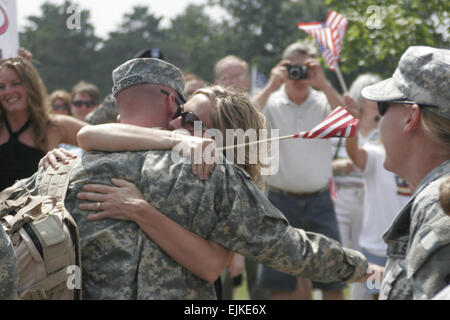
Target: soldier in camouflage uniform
x,y
121,262
8,268
416,133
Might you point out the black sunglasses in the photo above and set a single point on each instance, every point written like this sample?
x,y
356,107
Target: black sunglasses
x,y
79,103
177,100
384,105
188,119
61,107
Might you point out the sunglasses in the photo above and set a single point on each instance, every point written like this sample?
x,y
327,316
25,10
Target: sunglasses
x,y
79,103
61,107
384,105
188,119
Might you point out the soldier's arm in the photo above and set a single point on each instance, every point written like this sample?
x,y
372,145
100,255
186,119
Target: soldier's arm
x,y
250,225
428,257
437,265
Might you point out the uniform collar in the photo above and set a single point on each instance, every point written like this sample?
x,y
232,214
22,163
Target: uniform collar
x,y
400,226
433,175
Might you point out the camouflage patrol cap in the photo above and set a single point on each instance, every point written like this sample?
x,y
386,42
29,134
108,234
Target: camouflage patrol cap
x,y
147,71
422,76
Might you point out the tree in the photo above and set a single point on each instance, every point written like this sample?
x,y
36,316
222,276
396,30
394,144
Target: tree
x,y
259,30
380,31
63,56
138,31
194,42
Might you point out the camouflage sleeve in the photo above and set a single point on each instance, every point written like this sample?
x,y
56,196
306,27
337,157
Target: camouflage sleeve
x,y
437,265
250,225
429,250
8,268
105,113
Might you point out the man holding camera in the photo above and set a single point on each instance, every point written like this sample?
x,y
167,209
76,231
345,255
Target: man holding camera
x,y
300,188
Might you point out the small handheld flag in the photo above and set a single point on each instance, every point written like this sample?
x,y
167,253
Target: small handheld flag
x,y
329,36
339,123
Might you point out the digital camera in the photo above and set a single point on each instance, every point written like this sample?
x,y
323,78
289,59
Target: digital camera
x,y
297,72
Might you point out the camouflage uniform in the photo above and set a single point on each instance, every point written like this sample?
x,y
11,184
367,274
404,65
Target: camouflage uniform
x,y
422,76
121,262
418,265
8,268
105,113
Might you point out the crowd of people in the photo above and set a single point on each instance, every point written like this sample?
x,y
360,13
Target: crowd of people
x,y
335,213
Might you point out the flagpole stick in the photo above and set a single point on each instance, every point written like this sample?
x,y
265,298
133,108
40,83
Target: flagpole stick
x,y
340,77
258,142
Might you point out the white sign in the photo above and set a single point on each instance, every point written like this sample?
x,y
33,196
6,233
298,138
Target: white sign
x,y
9,36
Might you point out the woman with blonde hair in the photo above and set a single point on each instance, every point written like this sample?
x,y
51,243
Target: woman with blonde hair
x,y
415,129
27,130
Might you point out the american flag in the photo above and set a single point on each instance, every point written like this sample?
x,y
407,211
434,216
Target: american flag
x,y
328,35
339,123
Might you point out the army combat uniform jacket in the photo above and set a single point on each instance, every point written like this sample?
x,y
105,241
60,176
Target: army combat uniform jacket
x,y
8,268
418,265
121,262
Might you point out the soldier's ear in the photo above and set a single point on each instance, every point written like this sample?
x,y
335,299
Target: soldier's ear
x,y
172,106
413,118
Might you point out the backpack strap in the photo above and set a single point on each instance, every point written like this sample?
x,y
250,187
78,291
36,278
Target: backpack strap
x,y
54,183
8,192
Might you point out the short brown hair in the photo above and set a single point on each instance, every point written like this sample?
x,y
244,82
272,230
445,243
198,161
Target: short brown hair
x,y
88,88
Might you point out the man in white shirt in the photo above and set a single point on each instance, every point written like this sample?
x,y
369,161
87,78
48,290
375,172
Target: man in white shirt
x,y
300,188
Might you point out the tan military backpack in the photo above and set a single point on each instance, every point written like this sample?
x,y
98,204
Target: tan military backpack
x,y
45,238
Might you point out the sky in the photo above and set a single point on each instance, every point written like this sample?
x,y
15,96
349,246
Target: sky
x,y
107,14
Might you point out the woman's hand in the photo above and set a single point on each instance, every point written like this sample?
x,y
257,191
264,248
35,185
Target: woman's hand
x,y
121,201
54,156
203,154
351,105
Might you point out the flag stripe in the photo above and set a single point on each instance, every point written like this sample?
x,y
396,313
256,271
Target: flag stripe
x,y
328,35
338,124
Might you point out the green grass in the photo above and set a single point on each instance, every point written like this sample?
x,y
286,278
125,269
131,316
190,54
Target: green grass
x,y
241,292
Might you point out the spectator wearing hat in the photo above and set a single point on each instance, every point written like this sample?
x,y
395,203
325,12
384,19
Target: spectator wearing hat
x,y
415,130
